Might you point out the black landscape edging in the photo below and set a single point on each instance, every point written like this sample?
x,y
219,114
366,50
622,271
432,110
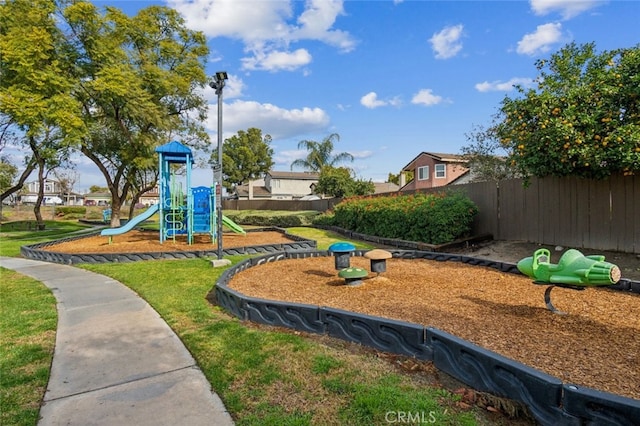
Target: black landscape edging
x,y
38,251
551,401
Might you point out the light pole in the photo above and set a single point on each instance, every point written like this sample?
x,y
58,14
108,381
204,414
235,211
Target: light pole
x,y
218,84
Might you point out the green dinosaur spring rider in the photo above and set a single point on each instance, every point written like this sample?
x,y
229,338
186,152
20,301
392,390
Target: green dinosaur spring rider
x,y
574,270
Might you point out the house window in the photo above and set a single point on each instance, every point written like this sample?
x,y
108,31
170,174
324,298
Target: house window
x,y
440,171
423,173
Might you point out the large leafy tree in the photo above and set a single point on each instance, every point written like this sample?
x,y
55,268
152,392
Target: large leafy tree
x,y
36,95
138,79
583,119
486,158
320,154
245,156
340,182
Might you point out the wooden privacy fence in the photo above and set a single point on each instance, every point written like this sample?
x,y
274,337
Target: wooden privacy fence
x,y
288,205
569,211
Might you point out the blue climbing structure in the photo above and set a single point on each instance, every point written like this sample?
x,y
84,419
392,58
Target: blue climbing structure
x,y
183,213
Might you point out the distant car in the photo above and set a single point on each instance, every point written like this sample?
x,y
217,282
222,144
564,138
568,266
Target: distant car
x,y
28,199
53,200
89,202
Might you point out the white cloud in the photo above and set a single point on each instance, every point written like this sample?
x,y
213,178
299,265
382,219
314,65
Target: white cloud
x,y
316,23
276,61
446,43
278,122
360,155
503,86
541,40
567,8
426,97
287,157
250,21
371,101
267,28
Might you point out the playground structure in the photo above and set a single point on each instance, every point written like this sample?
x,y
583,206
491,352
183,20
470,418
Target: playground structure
x,y
182,210
180,213
574,271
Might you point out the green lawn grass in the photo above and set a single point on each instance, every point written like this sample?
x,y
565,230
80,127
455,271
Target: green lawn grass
x,y
28,320
270,376
325,238
13,235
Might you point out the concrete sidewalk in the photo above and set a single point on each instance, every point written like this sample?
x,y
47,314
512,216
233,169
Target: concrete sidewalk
x,y
116,362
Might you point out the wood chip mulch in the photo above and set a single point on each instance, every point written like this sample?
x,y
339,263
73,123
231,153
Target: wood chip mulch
x,y
146,241
596,344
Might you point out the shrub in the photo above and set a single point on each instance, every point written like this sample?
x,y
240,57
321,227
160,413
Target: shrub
x,y
325,219
278,219
94,215
71,212
435,218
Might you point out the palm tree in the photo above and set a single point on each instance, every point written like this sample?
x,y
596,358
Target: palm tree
x,y
320,154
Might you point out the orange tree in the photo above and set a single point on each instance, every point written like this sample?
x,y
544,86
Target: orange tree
x,y
583,119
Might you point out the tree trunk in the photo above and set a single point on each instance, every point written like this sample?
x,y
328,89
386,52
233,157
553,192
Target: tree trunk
x,y
132,206
40,225
115,212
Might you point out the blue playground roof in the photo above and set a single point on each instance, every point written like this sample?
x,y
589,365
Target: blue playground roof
x,y
175,152
175,148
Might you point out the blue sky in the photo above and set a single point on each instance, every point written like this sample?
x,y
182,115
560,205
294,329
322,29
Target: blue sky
x,y
392,78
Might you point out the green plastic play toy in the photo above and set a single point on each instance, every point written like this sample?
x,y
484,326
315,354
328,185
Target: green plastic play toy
x,y
574,270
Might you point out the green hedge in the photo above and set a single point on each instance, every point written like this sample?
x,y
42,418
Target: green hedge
x,y
280,219
71,212
435,218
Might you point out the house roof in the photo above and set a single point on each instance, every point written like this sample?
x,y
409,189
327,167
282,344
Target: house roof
x,y
445,158
381,187
465,175
275,174
243,191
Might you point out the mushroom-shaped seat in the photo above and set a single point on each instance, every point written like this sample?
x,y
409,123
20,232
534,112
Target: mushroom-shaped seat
x,y
378,260
353,276
341,252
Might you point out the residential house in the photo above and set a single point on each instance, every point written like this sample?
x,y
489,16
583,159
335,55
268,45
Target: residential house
x,y
150,197
54,193
431,170
278,185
